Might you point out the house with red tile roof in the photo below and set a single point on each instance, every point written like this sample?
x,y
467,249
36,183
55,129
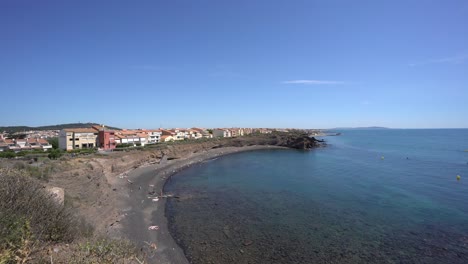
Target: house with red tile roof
x,y
203,131
3,145
118,138
179,134
12,145
194,133
154,136
134,137
126,137
34,143
24,144
167,135
21,142
44,143
167,138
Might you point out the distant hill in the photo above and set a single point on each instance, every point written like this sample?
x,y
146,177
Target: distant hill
x,y
14,129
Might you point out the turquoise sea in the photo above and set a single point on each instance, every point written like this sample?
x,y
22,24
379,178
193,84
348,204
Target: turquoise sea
x,y
370,196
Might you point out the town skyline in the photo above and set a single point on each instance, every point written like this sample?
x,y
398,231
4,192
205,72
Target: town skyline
x,y
301,64
104,138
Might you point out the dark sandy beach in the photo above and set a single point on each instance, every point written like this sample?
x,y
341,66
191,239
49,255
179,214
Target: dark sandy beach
x,y
143,209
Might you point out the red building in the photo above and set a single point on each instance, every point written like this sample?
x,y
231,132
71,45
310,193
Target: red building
x,y
106,139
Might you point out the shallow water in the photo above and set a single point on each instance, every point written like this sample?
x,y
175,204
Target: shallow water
x,y
339,204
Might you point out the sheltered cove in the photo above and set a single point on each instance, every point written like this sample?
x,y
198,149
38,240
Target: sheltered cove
x,y
143,217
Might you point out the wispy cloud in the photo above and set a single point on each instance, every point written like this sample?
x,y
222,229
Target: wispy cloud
x,y
458,59
313,82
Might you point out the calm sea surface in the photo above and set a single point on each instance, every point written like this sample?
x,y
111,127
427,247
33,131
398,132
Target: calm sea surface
x,y
370,196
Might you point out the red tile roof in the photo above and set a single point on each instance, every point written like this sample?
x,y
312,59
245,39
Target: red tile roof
x,y
198,129
167,132
43,141
142,135
163,137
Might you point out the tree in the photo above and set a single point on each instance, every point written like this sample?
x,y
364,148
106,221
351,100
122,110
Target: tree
x,y
54,141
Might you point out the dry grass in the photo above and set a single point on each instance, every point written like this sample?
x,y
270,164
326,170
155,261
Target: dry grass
x,y
32,225
97,250
29,218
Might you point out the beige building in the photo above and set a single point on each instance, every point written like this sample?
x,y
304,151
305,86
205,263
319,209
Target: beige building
x,y
77,138
179,134
204,133
221,132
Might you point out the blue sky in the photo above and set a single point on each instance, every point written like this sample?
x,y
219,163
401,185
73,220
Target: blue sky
x,y
305,64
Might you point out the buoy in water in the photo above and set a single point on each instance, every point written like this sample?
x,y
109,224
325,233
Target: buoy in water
x,y
458,177
382,157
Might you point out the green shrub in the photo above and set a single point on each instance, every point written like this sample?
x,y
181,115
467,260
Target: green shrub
x,y
28,215
125,145
18,240
83,151
7,154
55,154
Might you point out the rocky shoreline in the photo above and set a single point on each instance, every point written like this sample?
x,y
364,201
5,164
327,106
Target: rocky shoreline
x,y
142,201
144,221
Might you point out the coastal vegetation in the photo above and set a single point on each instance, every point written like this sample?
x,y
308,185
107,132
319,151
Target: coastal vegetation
x,y
29,218
34,228
54,141
38,153
25,153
